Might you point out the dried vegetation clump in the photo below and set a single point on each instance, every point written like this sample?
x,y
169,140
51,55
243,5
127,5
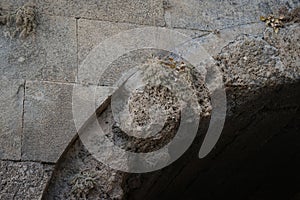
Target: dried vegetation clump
x,y
290,16
285,17
21,22
82,183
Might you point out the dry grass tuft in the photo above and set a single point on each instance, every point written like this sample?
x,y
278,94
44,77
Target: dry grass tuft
x,y
21,22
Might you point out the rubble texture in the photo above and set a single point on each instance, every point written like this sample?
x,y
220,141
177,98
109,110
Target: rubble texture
x,y
68,180
257,156
23,180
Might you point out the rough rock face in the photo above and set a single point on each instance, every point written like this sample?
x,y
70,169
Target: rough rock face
x,y
287,42
250,61
41,156
23,180
79,176
249,65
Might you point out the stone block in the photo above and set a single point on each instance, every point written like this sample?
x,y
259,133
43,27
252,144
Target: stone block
x,y
51,112
91,33
216,14
11,105
48,121
132,11
49,54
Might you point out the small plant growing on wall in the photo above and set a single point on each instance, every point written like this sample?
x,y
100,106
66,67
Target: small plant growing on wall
x,y
285,17
21,22
82,183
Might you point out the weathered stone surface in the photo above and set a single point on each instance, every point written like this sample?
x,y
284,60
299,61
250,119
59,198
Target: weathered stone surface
x,y
87,100
253,65
287,41
214,42
49,55
132,11
91,33
11,105
214,14
48,121
250,61
23,180
77,166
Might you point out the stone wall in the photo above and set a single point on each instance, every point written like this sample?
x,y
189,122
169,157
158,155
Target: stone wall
x,y
41,155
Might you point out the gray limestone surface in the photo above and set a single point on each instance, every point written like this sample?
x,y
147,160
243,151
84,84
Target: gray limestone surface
x,y
48,121
38,73
48,55
11,104
211,15
131,11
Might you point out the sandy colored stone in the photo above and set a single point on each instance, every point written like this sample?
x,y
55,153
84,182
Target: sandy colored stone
x,y
91,33
250,61
11,105
49,125
262,61
86,100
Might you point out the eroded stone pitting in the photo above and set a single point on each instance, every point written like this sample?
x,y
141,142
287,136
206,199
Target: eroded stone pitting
x,y
255,65
261,62
71,177
77,159
149,99
140,57
255,73
23,180
287,41
259,113
250,61
164,101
